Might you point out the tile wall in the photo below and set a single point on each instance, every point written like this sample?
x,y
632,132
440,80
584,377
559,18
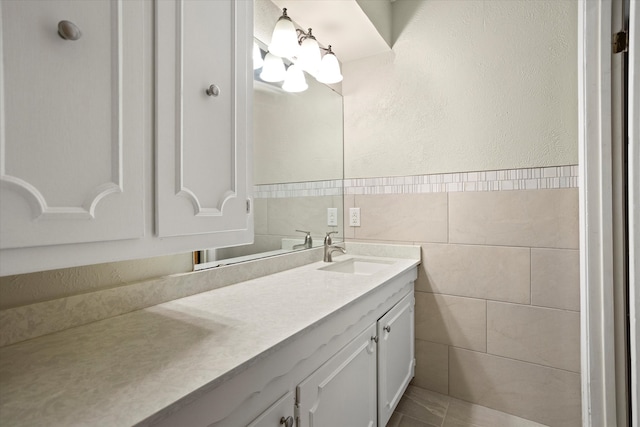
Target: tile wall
x,y
497,297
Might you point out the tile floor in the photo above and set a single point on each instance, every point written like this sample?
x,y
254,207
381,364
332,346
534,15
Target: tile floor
x,y
423,408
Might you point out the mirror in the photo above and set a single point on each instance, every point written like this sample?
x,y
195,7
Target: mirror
x,y
298,171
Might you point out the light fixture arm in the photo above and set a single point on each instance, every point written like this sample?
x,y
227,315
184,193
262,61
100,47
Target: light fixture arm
x,y
327,49
302,35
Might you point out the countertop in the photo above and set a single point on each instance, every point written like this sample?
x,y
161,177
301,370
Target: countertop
x,y
123,370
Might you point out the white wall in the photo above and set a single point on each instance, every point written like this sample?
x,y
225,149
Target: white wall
x,y
469,85
297,136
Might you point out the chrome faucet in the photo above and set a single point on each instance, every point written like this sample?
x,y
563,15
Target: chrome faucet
x,y
329,248
308,242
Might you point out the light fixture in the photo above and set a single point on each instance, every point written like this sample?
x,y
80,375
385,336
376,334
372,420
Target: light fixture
x,y
309,54
272,69
303,49
284,40
294,80
257,57
329,72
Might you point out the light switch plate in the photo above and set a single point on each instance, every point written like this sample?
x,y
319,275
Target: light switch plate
x,y
354,217
332,217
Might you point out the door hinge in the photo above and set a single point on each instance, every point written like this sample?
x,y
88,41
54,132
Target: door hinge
x,y
248,205
621,42
296,411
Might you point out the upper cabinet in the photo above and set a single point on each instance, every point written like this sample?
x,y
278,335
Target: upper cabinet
x,y
87,173
203,98
71,135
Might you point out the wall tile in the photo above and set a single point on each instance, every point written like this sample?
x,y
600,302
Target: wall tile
x,y
432,366
456,321
489,272
537,218
286,215
545,336
545,395
260,216
555,278
398,217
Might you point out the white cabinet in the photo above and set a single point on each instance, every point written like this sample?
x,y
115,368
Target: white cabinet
x,y
334,374
70,123
342,392
87,174
203,107
396,356
279,414
363,383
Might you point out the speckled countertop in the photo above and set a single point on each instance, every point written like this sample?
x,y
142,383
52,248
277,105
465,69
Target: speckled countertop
x,y
122,370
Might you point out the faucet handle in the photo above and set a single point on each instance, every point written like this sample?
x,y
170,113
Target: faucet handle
x,y
308,242
327,238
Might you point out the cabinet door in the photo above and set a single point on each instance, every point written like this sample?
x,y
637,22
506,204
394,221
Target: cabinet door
x,y
342,392
204,138
71,136
280,414
396,356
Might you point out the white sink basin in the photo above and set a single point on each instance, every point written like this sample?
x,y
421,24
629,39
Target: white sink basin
x,y
359,266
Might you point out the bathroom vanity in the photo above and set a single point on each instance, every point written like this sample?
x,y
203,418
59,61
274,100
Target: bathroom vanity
x,y
322,344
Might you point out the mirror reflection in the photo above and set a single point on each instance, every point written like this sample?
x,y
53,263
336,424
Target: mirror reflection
x,y
297,171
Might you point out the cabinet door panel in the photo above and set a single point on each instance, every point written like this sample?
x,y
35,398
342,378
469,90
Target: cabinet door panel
x,y
279,411
396,355
71,133
342,392
204,141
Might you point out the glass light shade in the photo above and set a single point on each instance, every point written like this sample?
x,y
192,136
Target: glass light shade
x,y
295,80
257,57
272,69
329,72
284,40
309,55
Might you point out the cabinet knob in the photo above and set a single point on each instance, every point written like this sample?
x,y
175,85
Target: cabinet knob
x,y
374,338
287,422
68,30
213,90
387,328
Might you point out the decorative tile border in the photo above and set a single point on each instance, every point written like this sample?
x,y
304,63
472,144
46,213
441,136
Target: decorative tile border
x,y
498,180
299,189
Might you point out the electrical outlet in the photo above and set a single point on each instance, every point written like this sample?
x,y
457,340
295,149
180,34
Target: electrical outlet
x,y
332,217
354,217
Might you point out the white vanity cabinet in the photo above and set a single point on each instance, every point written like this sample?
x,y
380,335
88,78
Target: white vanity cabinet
x,y
280,413
342,392
396,355
87,174
351,370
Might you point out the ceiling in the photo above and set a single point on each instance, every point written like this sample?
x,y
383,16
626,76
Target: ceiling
x,y
339,23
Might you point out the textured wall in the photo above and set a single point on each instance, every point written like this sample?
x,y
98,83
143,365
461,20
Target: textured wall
x,y
470,85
